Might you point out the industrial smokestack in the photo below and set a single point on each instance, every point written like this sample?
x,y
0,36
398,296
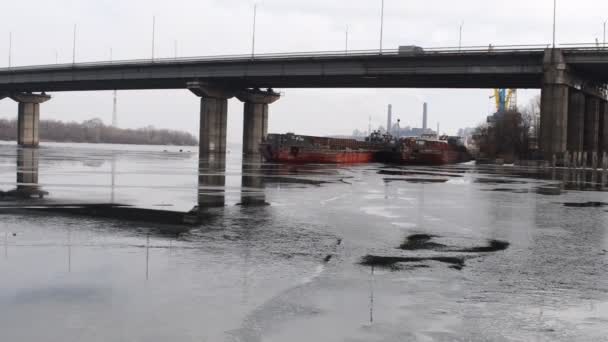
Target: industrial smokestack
x,y
389,122
424,116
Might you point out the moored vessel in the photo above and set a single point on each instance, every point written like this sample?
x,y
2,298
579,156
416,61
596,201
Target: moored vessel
x,y
292,148
425,150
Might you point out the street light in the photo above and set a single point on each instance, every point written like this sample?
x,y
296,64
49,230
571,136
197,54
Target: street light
x,y
255,13
604,40
346,42
74,47
381,25
460,36
153,34
10,48
554,20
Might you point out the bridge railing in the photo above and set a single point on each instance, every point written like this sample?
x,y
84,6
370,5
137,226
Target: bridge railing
x,y
585,47
449,50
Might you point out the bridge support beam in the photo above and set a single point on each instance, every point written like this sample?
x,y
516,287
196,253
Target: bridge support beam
x,y
576,121
28,119
592,124
255,118
213,117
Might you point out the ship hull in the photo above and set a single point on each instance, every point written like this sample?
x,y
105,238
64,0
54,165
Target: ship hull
x,y
438,158
287,155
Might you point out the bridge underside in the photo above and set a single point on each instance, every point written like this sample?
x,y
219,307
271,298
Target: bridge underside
x,y
448,81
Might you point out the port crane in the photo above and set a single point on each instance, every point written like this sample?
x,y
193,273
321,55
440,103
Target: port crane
x,y
506,99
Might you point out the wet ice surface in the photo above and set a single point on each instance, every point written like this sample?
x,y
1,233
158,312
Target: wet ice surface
x,y
297,269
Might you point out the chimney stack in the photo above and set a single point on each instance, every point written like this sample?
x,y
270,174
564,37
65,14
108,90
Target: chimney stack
x,y
424,116
389,122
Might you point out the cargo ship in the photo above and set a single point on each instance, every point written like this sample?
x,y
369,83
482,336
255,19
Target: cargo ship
x,y
426,150
292,148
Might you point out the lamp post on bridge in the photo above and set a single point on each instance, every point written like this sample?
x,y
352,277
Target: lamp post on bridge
x,y
346,42
255,14
153,35
74,47
10,48
460,37
554,20
604,41
381,25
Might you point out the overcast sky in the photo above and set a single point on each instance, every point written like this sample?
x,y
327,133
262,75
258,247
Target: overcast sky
x,y
42,30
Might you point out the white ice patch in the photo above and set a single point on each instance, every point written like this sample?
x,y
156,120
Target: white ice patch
x,y
317,272
404,224
380,211
458,181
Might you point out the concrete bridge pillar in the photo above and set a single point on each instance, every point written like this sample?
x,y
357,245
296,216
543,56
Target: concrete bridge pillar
x,y
576,120
213,117
28,119
554,119
592,124
255,118
603,128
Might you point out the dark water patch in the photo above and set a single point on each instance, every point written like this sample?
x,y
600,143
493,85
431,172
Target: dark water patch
x,y
393,262
416,180
549,190
253,204
117,212
497,181
415,173
494,246
421,242
585,204
291,180
513,191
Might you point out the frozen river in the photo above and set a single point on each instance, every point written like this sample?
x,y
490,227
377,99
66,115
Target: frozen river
x,y
297,253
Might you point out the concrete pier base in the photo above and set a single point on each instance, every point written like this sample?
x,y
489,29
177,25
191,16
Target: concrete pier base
x,y
213,117
592,121
28,118
255,118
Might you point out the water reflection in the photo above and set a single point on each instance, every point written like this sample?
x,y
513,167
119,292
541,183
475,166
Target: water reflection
x,y
212,181
27,175
252,182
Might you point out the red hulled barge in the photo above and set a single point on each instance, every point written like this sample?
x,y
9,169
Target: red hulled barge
x,y
292,148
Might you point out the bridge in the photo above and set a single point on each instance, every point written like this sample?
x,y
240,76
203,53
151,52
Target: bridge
x,y
573,78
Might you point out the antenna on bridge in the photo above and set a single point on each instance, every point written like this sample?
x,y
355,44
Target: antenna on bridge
x,y
114,112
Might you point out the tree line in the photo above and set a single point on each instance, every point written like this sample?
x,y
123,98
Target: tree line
x,y
510,135
95,131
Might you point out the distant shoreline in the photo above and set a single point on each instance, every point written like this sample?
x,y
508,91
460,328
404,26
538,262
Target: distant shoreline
x,y
94,131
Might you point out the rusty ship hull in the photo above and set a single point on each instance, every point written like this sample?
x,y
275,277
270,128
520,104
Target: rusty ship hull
x,y
299,149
